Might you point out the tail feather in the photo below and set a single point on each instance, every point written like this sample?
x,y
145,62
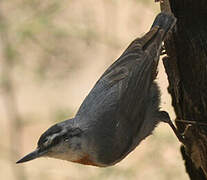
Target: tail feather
x,y
164,21
162,24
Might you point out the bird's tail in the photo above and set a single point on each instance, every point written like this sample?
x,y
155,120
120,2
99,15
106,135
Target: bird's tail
x,y
152,40
165,22
162,24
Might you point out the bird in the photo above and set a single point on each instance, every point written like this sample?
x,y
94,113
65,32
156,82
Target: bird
x,y
121,110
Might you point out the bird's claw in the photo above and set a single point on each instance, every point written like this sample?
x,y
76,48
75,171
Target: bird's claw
x,y
163,50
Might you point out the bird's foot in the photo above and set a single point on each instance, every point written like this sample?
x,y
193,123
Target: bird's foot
x,y
163,50
164,117
179,135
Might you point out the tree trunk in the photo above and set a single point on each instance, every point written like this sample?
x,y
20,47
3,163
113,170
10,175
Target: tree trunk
x,y
186,67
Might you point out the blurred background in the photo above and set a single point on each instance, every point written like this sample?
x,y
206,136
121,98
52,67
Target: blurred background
x,y
51,54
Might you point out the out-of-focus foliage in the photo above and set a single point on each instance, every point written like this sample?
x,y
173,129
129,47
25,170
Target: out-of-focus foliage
x,y
42,45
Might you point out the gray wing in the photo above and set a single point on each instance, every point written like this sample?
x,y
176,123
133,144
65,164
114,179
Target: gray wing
x,y
120,91
118,105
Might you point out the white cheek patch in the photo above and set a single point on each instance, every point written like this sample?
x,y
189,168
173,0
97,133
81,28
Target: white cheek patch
x,y
65,152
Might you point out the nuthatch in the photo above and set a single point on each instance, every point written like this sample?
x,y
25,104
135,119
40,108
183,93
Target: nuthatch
x,y
121,110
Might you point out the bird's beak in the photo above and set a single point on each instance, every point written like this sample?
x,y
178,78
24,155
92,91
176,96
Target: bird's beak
x,y
33,155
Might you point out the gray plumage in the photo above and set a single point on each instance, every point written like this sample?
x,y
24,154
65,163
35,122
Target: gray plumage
x,y
120,111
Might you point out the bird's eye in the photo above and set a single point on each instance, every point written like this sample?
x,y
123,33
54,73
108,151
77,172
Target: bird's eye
x,y
65,138
45,142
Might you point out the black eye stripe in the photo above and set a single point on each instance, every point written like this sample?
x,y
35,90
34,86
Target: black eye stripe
x,y
58,139
55,136
52,130
45,140
65,137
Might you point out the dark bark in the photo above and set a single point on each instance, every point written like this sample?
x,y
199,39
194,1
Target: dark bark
x,y
194,173
186,67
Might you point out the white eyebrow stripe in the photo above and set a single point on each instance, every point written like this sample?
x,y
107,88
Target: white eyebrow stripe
x,y
53,136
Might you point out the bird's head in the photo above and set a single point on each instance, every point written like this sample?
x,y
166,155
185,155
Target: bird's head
x,y
61,141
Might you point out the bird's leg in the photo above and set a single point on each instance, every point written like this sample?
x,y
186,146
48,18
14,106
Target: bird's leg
x,y
164,117
177,133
